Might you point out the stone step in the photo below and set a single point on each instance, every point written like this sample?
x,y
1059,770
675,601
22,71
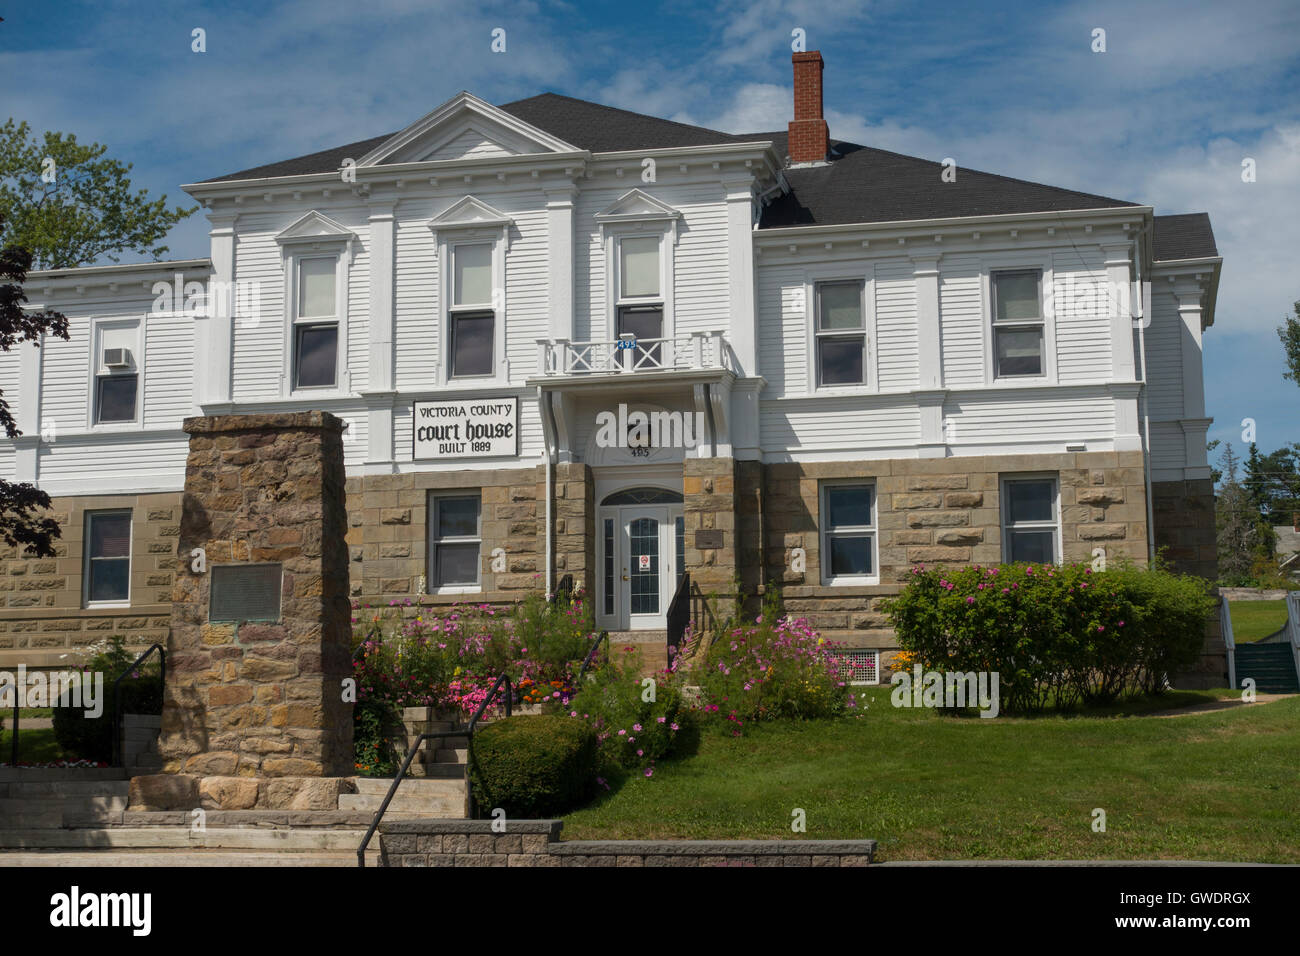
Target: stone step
x,y
190,857
165,837
60,774
62,789
459,755
448,808
378,786
10,805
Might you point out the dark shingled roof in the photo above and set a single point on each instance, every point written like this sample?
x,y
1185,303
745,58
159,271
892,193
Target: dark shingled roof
x,y
1186,236
859,185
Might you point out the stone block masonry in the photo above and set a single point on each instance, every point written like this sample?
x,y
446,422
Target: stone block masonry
x,y
261,699
535,843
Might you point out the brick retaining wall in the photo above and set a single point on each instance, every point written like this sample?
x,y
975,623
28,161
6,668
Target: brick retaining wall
x,y
533,843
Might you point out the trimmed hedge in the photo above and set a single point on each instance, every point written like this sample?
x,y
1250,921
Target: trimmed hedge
x,y
1055,635
531,767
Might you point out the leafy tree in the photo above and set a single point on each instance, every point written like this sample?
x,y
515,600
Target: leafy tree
x,y
22,523
69,205
1289,333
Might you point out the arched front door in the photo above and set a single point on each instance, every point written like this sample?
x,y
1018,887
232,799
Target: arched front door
x,y
640,544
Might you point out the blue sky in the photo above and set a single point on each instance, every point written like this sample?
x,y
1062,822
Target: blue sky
x,y
1165,116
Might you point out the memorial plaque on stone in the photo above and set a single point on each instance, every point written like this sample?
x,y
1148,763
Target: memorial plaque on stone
x,y
708,540
245,592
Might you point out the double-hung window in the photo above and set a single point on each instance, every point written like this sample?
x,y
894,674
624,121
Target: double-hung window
x,y
108,557
1030,526
316,324
841,334
472,319
1018,349
640,307
848,539
455,541
116,386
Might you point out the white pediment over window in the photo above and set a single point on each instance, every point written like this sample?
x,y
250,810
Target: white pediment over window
x,y
636,206
315,227
469,213
464,127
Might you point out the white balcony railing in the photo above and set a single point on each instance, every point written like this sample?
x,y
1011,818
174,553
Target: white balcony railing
x,y
627,355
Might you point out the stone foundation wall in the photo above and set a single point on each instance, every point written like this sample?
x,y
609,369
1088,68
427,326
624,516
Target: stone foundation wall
x,y
939,511
43,615
535,843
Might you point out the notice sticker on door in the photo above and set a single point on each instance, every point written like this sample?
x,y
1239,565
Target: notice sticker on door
x,y
643,562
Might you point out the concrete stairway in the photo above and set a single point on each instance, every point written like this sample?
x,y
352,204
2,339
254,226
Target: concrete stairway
x,y
1271,665
651,645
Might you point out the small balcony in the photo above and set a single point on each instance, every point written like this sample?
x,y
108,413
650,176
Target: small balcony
x,y
626,355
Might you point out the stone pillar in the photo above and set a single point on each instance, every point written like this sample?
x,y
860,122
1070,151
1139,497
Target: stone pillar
x,y
574,514
709,508
261,700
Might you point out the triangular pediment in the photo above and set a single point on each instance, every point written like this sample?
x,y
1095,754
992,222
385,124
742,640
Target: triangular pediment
x,y
464,128
634,206
469,212
314,226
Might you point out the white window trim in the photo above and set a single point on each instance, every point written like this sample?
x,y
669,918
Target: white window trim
x,y
86,602
468,221
814,277
1018,262
293,251
96,354
1004,516
431,560
612,234
823,534
446,256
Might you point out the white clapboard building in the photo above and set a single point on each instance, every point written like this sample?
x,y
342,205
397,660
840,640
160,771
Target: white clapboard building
x,y
576,344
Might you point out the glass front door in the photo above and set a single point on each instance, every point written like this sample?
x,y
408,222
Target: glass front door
x,y
640,552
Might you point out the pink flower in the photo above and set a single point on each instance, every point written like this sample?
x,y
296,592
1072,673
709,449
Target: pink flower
x,y
636,727
649,771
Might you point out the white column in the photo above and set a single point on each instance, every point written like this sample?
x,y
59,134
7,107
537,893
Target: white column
x,y
1189,294
559,226
740,270
1119,296
925,270
27,414
214,338
380,337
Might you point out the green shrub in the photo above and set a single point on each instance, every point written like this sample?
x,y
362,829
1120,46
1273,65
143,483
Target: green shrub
x,y
537,766
632,730
372,744
91,738
779,668
1054,634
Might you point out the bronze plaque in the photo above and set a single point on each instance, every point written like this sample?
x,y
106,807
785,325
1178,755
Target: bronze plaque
x,y
245,592
708,540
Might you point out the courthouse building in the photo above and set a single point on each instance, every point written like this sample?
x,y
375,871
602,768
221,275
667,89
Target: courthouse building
x,y
576,342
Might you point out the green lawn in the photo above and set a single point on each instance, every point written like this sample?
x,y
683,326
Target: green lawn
x,y
35,745
1252,620
1219,786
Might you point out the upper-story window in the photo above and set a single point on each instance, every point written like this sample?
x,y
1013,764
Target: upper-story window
x,y
472,319
317,252
640,306
841,334
115,391
1018,324
316,324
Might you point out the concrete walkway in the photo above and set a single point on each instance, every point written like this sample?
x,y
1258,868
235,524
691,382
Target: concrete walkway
x,y
1213,706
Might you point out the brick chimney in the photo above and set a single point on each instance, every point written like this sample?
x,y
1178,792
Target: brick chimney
x,y
809,139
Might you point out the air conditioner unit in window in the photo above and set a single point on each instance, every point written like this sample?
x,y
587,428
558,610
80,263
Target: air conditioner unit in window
x,y
117,358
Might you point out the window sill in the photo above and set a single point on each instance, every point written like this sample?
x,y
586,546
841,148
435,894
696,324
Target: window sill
x,y
103,605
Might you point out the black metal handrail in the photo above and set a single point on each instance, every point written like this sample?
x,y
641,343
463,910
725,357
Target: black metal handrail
x,y
467,733
117,695
679,616
586,661
563,591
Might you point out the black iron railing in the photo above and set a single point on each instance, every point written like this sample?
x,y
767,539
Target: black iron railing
x,y
117,695
586,661
467,733
679,617
563,595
